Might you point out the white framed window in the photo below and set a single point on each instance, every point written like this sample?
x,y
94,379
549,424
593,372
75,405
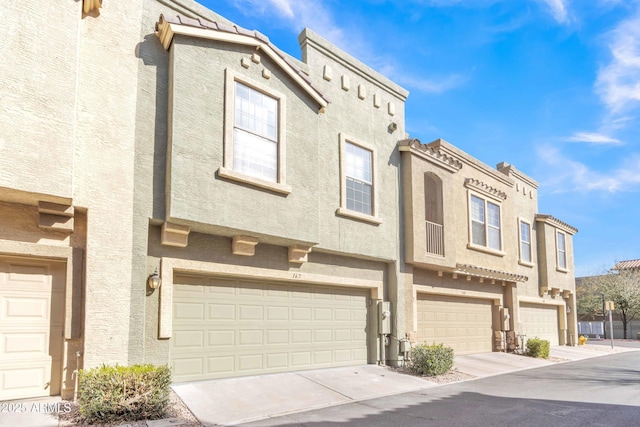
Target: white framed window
x,y
255,133
561,245
254,138
485,224
525,242
357,176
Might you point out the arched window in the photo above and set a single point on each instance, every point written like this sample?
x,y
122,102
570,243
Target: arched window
x,y
433,214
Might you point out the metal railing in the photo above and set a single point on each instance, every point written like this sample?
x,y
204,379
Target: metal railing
x,y
435,238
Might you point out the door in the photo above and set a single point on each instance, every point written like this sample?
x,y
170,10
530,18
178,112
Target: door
x,y
540,321
31,327
464,324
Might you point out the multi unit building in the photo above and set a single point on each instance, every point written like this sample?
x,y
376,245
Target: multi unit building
x,y
175,189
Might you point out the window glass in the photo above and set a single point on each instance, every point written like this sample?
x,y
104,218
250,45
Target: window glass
x,y
359,183
525,241
562,254
493,226
478,235
485,223
255,136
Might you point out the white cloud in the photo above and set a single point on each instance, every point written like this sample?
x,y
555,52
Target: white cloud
x,y
283,6
296,15
570,175
314,14
432,85
618,83
594,138
558,9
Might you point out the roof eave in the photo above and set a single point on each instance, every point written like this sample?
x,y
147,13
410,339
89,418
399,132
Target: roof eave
x,y
166,31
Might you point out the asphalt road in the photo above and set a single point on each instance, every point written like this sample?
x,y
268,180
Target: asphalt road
x,y
603,391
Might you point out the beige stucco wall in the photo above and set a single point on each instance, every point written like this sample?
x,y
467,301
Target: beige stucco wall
x,y
119,166
37,108
551,276
508,195
211,256
517,196
363,109
200,198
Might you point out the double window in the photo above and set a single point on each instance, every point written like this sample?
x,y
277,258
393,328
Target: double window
x,y
485,223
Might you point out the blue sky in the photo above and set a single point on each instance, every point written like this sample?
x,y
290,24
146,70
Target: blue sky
x,y
550,86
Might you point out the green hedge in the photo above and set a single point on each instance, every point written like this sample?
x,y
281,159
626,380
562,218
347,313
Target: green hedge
x,y
123,393
431,360
537,347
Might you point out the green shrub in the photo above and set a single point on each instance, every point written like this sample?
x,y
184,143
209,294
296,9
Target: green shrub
x,y
537,347
123,393
431,360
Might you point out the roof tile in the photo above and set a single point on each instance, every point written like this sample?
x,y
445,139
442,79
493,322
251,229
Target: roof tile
x,y
185,20
628,265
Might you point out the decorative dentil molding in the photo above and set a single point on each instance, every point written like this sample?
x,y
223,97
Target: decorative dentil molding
x,y
487,190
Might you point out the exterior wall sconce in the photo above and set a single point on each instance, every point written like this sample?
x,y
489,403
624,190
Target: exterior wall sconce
x,y
154,281
568,309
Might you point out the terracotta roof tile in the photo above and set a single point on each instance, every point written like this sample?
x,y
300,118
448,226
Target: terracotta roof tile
x,y
189,21
628,265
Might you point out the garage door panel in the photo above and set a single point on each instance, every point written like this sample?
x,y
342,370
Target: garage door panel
x,y
465,324
31,327
254,328
277,313
540,321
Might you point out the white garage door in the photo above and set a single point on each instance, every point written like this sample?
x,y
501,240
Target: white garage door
x,y
31,327
463,324
540,321
226,328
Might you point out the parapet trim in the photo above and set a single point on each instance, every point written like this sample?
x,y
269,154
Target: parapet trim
x,y
168,27
431,154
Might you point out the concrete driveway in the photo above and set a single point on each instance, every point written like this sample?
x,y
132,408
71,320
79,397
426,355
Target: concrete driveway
x,y
240,400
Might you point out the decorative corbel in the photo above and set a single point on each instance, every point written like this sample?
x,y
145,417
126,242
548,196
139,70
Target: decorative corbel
x,y
299,253
244,245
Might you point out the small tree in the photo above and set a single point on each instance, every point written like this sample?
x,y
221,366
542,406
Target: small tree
x,y
622,287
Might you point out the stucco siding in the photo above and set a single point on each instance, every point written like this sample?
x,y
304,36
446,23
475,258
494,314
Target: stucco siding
x,y
38,98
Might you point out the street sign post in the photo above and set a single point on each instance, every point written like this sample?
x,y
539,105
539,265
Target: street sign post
x,y
610,306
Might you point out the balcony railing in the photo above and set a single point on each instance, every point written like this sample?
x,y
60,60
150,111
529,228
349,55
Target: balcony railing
x,y
435,238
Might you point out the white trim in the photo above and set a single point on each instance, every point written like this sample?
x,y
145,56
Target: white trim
x,y
496,298
267,185
540,301
342,210
226,171
486,248
521,261
559,268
